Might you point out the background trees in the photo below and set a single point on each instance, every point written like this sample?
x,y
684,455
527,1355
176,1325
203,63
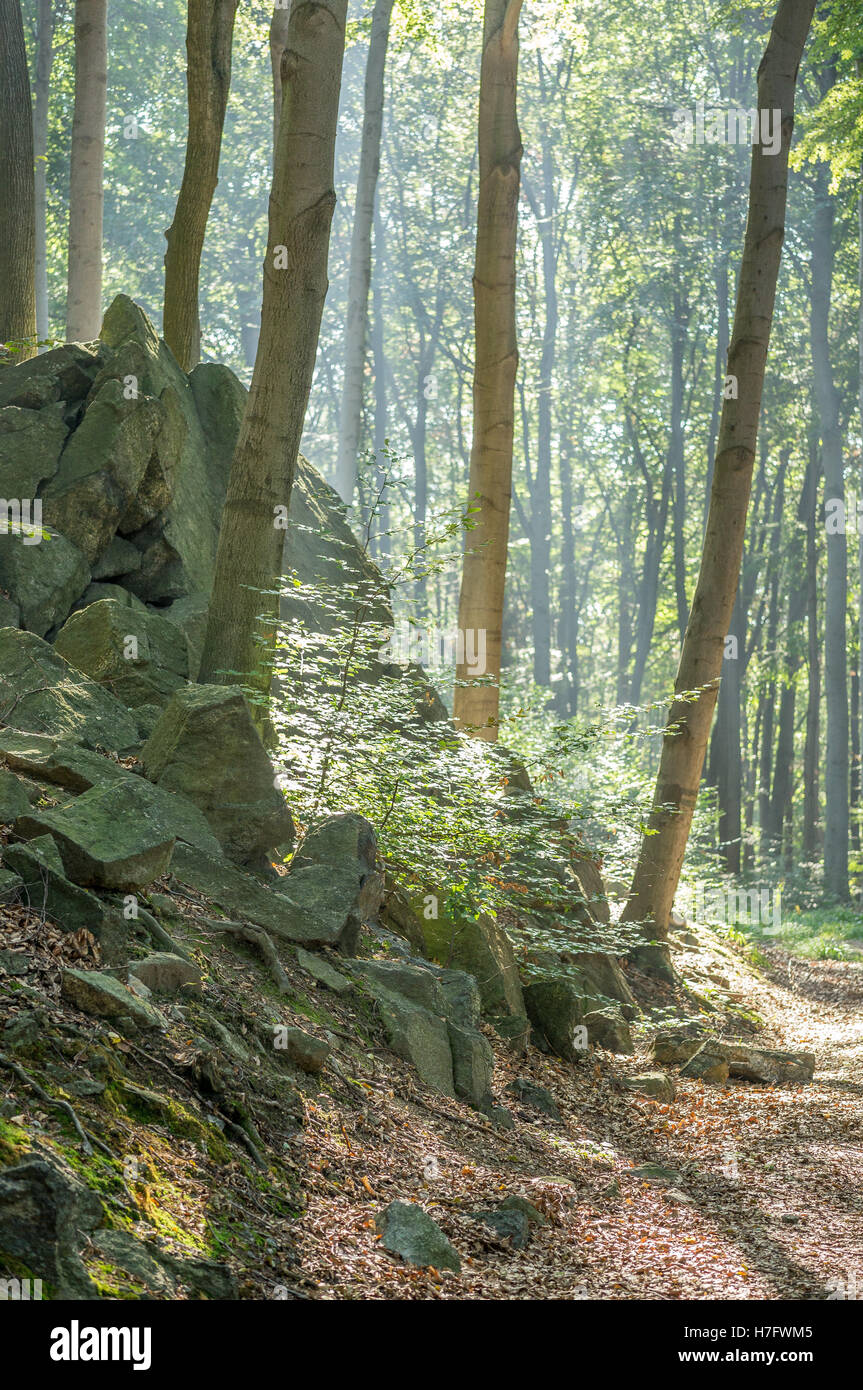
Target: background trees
x,y
626,262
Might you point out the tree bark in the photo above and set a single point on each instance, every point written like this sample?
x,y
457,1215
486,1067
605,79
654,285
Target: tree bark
x,y
244,607
360,275
836,772
41,95
17,215
476,704
278,43
661,856
209,37
84,284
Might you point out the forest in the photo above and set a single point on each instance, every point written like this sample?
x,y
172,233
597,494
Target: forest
x,y
431,613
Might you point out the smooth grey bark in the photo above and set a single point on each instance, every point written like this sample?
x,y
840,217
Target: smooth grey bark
x,y
660,860
360,274
837,766
41,95
86,195
17,205
243,616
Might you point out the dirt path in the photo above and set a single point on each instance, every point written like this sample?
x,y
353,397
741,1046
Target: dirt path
x,y
768,1203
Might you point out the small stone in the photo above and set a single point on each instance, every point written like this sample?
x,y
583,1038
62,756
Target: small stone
x,y
516,1203
164,973
511,1225
307,1052
410,1232
13,962
536,1097
325,974
655,1172
655,1084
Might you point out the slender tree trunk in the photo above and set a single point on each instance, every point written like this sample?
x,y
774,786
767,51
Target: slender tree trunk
x,y
726,760
209,36
719,369
475,705
677,458
811,746
359,279
84,284
278,43
384,540
41,95
836,772
661,856
244,607
17,214
540,501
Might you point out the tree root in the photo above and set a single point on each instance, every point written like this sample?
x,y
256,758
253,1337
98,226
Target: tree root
x,y
87,1140
256,936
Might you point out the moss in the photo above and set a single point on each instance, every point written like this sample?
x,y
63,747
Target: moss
x,y
14,1143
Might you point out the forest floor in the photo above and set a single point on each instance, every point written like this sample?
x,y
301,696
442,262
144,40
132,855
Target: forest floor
x,y
767,1204
765,1201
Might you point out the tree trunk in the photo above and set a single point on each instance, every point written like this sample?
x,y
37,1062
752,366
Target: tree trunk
x,y
359,280
17,216
41,95
811,746
278,43
84,284
661,856
836,772
475,705
540,500
209,36
726,761
244,608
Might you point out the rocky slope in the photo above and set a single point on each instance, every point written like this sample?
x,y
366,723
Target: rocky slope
x,y
186,985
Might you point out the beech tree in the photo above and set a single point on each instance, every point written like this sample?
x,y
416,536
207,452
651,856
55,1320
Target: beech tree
x,y
84,283
684,744
244,606
41,93
476,703
356,324
209,36
17,219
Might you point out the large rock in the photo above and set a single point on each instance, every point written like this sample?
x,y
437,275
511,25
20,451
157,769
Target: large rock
x,y
138,656
555,1009
334,877
54,760
178,547
108,837
420,1037
42,693
408,1231
483,949
46,889
63,374
102,468
206,747
472,1065
708,1058
30,445
600,976
104,997
44,579
45,1217
14,800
